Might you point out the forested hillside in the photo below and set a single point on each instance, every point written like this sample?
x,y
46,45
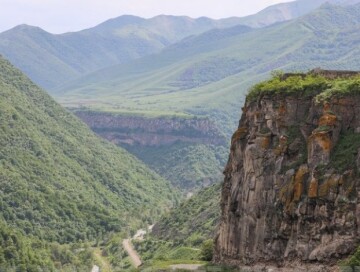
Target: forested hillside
x,y
60,182
182,234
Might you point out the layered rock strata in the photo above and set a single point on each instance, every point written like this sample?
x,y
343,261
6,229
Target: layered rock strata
x,y
133,130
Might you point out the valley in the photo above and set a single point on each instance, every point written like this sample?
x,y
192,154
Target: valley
x,y
61,183
207,76
235,139
211,72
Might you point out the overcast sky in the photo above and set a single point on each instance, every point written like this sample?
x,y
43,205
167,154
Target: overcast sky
x,y
58,16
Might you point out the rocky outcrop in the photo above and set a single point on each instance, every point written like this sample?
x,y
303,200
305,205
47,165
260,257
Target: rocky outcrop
x,y
133,130
286,199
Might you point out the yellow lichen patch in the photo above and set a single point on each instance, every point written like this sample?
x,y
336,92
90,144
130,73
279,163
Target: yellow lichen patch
x,y
265,142
324,188
239,134
333,181
328,119
341,180
286,195
277,151
290,193
290,208
327,107
322,138
313,188
282,109
298,190
299,182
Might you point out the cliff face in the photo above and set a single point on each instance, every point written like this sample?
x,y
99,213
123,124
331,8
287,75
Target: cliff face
x,y
292,190
133,130
189,152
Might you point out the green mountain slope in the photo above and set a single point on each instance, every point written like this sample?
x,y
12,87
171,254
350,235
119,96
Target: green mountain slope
x,y
14,248
59,181
180,234
194,221
288,11
19,252
187,166
210,73
51,60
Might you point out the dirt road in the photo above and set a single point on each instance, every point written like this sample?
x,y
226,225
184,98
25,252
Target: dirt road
x,y
190,267
95,269
132,253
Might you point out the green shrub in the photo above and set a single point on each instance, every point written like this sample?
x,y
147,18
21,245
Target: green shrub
x,y
207,250
344,153
306,85
355,259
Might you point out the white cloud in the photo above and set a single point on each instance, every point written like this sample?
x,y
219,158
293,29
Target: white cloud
x,y
69,15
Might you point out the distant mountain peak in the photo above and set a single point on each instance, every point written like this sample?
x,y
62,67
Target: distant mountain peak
x,y
121,21
68,56
26,27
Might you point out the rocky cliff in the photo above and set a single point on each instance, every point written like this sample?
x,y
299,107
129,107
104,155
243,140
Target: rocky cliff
x,y
190,152
133,130
291,194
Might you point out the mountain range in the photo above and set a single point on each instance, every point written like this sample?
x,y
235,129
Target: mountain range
x,y
204,75
50,60
62,185
53,59
189,67
288,11
209,74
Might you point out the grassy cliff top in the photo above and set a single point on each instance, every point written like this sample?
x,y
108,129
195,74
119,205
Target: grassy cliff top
x,y
322,84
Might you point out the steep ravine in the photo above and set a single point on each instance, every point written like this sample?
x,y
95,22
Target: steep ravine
x,y
189,152
291,194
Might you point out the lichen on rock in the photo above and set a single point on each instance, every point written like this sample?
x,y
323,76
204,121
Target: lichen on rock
x,y
284,198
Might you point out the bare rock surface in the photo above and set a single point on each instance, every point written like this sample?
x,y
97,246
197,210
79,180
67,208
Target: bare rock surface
x,y
137,130
284,203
